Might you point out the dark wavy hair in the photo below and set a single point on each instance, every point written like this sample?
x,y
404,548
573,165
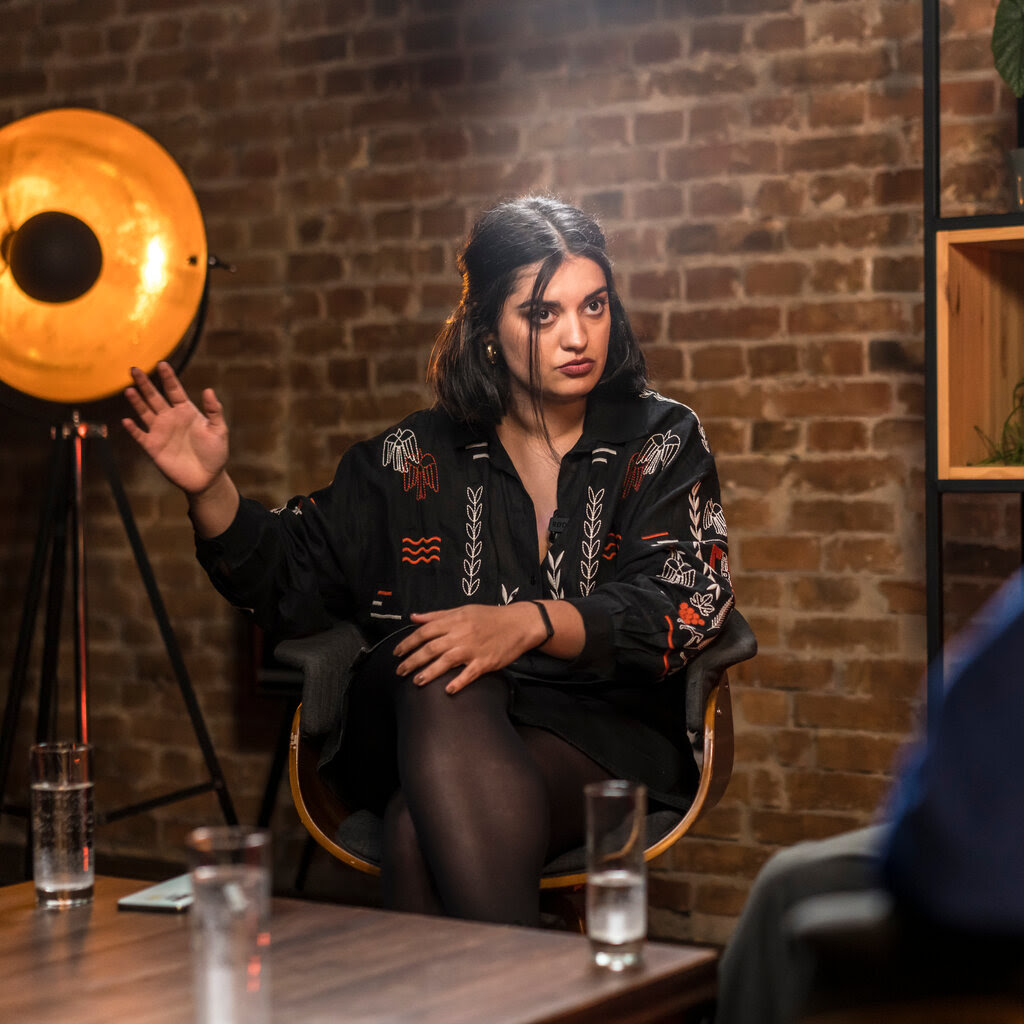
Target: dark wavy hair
x,y
514,234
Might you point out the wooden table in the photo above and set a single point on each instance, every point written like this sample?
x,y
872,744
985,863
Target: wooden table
x,y
96,965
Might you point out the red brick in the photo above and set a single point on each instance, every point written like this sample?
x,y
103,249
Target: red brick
x,y
663,126
835,358
775,436
785,828
749,322
704,283
843,317
835,514
837,436
836,791
654,285
785,553
656,48
717,362
780,34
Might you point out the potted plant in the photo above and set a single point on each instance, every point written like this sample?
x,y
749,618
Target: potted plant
x,y
1008,44
1008,56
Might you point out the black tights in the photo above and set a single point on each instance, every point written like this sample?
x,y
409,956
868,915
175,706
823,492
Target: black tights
x,y
482,803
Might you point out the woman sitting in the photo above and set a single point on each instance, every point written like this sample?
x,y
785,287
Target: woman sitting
x,y
534,559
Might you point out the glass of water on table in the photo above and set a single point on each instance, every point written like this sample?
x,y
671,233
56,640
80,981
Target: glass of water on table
x,y
616,872
230,868
62,823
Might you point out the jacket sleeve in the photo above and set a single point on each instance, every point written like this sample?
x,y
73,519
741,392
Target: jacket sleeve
x,y
669,591
286,567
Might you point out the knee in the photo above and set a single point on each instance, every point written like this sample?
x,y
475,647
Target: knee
x,y
489,691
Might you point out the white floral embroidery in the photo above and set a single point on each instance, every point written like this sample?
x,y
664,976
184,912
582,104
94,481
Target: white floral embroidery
x,y
591,541
553,572
703,437
506,597
474,523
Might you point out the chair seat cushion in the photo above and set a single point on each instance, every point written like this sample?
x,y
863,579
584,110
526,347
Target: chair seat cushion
x,y
361,835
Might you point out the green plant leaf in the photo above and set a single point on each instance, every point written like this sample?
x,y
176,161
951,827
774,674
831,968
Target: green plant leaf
x,y
1008,44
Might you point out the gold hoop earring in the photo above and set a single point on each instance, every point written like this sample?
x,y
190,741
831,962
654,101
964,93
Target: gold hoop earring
x,y
491,353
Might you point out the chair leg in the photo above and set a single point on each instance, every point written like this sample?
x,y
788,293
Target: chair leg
x,y
307,857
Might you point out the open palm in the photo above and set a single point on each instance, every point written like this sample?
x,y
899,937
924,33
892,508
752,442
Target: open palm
x,y
188,445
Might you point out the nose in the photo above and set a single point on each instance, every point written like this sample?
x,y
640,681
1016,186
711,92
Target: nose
x,y
574,337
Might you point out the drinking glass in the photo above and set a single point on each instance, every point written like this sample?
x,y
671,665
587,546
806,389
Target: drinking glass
x,y
616,872
62,823
230,869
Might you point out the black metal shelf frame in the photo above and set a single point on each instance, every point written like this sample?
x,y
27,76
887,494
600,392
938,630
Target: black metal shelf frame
x,y
934,222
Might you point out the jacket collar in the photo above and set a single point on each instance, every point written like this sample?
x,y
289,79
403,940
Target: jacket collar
x,y
609,420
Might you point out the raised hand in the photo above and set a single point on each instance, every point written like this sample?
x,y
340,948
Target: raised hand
x,y
188,445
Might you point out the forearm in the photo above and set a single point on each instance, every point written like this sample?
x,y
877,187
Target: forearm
x,y
569,634
214,509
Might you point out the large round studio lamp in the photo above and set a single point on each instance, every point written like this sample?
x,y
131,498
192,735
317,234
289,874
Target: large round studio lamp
x,y
103,266
103,257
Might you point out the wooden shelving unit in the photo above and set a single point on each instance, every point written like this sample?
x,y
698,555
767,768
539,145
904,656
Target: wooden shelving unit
x,y
979,345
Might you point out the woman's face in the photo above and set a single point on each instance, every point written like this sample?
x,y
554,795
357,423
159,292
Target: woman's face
x,y
573,326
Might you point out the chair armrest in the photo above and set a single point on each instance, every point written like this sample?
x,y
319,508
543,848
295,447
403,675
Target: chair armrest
x,y
735,643
326,661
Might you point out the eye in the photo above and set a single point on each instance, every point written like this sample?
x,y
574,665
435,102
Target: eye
x,y
543,315
597,306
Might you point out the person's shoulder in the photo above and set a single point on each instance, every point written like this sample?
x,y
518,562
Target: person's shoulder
x,y
643,414
423,430
422,422
658,409
663,418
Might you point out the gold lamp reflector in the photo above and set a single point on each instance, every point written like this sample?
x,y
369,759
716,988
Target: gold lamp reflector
x,y
103,257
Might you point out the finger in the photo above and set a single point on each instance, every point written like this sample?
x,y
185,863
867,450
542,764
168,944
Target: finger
x,y
142,410
212,408
430,616
133,430
416,639
148,390
173,389
462,680
438,667
418,659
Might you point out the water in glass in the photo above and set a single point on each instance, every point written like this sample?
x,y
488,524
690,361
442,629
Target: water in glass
x,y
616,917
62,856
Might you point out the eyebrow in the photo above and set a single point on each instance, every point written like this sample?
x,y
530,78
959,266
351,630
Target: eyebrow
x,y
529,304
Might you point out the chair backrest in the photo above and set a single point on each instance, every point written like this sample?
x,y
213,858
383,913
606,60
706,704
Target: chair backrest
x,y
354,836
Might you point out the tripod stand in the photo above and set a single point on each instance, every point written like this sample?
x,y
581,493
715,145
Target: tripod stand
x,y
61,521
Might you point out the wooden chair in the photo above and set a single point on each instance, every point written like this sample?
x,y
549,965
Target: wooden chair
x,y
353,835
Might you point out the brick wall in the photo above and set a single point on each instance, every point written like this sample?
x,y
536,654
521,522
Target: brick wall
x,y
757,164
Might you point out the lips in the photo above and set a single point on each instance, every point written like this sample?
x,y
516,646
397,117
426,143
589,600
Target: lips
x,y
577,368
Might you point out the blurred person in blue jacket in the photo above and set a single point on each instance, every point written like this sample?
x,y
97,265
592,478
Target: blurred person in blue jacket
x,y
950,853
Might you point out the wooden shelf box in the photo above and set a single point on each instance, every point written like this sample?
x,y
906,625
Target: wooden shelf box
x,y
979,345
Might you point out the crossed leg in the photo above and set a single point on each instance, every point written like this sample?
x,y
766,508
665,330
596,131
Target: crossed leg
x,y
482,804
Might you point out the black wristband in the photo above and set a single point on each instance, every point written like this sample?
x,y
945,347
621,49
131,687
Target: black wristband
x,y
547,622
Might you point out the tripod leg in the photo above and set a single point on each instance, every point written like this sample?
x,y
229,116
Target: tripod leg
x,y
46,716
52,504
170,641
